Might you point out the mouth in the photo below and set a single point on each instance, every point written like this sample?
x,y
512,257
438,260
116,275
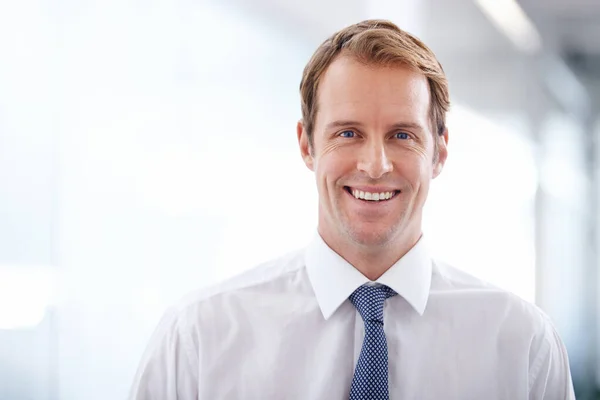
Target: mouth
x,y
377,196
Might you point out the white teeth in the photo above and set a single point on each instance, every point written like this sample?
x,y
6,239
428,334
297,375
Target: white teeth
x,y
372,196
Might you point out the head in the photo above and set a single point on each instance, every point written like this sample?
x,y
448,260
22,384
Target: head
x,y
374,103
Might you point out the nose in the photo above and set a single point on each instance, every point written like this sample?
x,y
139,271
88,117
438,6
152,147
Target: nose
x,y
374,160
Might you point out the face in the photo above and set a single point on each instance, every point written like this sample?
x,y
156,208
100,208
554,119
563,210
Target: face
x,y
373,154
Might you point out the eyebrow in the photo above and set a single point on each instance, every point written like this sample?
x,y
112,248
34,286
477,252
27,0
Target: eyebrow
x,y
398,125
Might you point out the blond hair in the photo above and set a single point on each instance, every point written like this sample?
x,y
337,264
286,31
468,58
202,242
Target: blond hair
x,y
382,43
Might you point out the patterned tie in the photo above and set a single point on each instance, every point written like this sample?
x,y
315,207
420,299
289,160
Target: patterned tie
x,y
371,374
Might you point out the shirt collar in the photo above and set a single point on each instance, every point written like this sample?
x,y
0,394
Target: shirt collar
x,y
334,279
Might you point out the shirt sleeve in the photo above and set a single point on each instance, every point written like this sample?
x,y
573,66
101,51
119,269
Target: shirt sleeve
x,y
169,367
550,375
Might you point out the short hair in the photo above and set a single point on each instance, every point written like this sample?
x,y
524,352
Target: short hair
x,y
381,43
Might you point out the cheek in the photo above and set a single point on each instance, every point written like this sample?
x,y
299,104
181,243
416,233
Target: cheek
x,y
413,161
422,151
415,171
333,165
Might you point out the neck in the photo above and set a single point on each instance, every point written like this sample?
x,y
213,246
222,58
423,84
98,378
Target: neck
x,y
373,260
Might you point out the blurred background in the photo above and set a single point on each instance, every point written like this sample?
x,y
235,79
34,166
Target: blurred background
x,y
147,148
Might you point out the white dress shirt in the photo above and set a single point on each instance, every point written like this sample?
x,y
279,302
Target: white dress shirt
x,y
286,330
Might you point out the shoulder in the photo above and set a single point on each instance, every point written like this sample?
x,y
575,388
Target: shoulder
x,y
170,364
276,275
450,284
520,328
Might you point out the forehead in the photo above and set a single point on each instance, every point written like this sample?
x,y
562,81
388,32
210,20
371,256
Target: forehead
x,y
351,89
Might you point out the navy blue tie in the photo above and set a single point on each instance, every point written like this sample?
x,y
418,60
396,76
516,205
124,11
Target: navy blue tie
x,y
370,380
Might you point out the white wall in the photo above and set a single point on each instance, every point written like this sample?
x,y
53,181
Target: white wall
x,y
480,214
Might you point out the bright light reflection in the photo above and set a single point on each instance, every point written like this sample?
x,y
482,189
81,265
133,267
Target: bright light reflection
x,y
25,293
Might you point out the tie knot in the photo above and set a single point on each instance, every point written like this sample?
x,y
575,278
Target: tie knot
x,y
369,300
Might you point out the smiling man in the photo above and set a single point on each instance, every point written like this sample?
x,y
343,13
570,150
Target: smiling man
x,y
363,312
373,153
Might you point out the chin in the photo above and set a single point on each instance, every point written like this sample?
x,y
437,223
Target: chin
x,y
372,237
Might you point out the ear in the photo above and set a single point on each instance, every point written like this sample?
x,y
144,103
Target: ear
x,y
306,150
442,154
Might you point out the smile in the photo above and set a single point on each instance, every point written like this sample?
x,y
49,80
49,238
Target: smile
x,y
371,196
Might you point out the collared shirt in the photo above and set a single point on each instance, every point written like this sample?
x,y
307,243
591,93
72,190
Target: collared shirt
x,y
286,330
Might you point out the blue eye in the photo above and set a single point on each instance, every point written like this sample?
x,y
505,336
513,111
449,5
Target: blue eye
x,y
347,134
402,135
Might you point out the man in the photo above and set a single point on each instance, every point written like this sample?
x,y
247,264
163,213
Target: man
x,y
363,312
